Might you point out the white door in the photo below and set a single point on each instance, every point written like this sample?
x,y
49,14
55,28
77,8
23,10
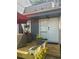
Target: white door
x,y
53,30
49,29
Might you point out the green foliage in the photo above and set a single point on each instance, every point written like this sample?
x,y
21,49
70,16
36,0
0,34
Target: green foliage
x,y
39,37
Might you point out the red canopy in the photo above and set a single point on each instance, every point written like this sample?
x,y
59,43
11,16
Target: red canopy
x,y
21,18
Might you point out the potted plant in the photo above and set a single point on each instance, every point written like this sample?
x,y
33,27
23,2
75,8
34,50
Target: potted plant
x,y
40,39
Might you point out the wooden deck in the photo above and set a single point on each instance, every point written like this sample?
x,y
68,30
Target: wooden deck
x,y
52,53
25,53
54,50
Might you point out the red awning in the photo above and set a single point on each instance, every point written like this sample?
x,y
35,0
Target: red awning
x,y
21,18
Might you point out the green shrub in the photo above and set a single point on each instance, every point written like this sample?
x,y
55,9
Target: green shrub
x,y
39,37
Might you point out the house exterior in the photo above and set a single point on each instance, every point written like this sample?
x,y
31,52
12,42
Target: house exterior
x,y
45,21
43,17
